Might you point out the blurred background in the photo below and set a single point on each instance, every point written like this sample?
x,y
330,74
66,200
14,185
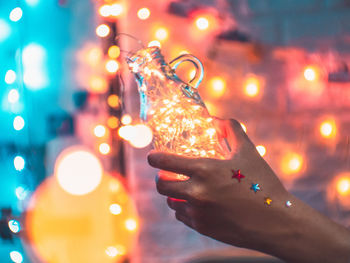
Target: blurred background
x,y
75,184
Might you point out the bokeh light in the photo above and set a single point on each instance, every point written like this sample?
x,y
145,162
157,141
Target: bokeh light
x,y
94,56
10,77
126,132
126,119
114,52
13,96
14,226
78,171
131,224
104,148
141,137
261,149
105,10
292,163
162,33
18,123
21,193
343,185
102,30
113,101
217,87
244,127
115,209
19,163
202,23
98,84
100,131
116,9
113,122
5,30
311,73
16,257
112,66
251,86
85,220
143,13
328,128
16,14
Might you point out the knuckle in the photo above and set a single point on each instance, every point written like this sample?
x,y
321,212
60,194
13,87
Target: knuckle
x,y
161,187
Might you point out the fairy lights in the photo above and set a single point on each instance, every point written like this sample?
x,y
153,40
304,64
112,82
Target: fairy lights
x,y
179,121
143,13
311,73
202,23
162,33
102,30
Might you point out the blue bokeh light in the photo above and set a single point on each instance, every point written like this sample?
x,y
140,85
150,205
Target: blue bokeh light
x,y
14,226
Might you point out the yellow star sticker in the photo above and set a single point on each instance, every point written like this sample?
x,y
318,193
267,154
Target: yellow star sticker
x,y
268,201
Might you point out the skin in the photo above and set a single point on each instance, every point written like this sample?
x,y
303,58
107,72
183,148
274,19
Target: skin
x,y
219,206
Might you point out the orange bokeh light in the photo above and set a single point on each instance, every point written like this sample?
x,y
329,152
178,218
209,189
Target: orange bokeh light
x,y
154,43
217,87
57,221
252,86
292,163
113,101
343,185
103,30
202,23
328,128
261,149
98,84
311,73
161,33
112,66
104,148
113,122
114,52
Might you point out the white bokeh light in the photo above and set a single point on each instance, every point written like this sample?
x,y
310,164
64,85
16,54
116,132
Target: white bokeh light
x,y
78,171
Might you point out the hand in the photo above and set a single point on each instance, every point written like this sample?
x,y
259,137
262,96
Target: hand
x,y
219,206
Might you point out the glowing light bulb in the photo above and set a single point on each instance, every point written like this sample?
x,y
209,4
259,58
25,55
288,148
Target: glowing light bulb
x,y
100,131
292,163
114,52
162,33
142,136
113,101
328,129
261,149
154,43
16,257
104,148
14,226
131,224
13,96
18,123
116,10
102,30
115,209
19,163
10,77
126,119
143,13
94,56
16,14
311,73
252,87
113,122
105,10
217,87
202,23
343,185
78,171
112,66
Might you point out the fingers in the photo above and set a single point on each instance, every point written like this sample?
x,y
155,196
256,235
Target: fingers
x,y
178,205
174,163
173,188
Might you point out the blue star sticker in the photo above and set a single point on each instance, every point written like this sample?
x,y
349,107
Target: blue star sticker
x,y
255,187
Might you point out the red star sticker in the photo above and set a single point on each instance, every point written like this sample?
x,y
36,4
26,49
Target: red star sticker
x,y
237,174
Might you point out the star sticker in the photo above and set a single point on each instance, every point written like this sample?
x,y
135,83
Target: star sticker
x,y
255,187
288,203
237,174
268,201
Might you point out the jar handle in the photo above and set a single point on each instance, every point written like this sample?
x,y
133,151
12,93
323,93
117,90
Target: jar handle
x,y
197,79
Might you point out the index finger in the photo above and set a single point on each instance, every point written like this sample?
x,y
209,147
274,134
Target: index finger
x,y
174,163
